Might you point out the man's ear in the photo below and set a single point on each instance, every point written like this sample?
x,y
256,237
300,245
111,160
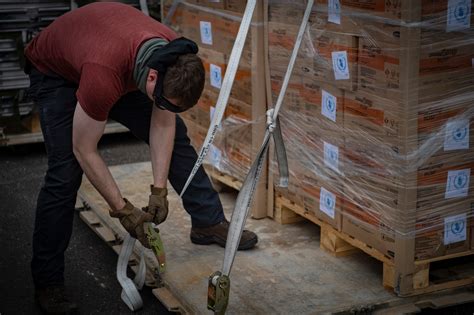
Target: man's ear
x,y
152,76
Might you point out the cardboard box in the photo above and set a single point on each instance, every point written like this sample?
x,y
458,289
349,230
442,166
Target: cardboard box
x,y
323,198
335,59
442,67
210,29
450,235
379,68
236,5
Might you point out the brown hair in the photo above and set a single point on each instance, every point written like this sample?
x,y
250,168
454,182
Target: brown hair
x,y
184,80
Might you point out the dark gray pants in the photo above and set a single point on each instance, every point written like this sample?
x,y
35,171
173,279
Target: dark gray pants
x,y
56,101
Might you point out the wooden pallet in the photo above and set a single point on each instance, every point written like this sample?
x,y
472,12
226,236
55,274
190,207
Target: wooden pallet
x,y
114,240
221,179
339,244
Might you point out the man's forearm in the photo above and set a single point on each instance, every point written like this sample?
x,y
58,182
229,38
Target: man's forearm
x,y
99,175
162,132
85,136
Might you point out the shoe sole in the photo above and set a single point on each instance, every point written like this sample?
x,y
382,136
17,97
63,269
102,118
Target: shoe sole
x,y
215,240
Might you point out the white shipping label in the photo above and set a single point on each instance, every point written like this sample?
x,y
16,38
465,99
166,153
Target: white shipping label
x,y
216,76
455,229
215,156
459,15
331,156
327,203
458,183
457,135
206,32
329,105
340,65
334,11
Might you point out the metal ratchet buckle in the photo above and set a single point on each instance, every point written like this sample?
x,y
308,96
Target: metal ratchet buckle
x,y
218,293
153,236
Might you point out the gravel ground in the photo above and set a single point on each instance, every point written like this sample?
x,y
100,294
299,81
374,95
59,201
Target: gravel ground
x,y
90,263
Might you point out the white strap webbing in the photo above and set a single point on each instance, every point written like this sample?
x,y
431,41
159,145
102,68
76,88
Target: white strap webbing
x,y
130,294
226,87
144,7
244,199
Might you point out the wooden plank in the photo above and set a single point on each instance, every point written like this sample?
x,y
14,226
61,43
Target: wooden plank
x,y
333,244
285,215
89,217
421,278
105,233
389,280
415,305
223,178
440,258
259,107
168,300
442,286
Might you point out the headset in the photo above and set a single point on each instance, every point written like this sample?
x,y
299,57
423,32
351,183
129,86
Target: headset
x,y
164,58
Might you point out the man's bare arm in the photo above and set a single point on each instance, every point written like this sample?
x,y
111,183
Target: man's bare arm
x,y
86,134
162,132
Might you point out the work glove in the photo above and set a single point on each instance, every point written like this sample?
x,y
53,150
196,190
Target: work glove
x,y
158,204
133,220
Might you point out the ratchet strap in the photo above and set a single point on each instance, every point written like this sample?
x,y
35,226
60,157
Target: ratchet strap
x,y
219,282
226,87
130,294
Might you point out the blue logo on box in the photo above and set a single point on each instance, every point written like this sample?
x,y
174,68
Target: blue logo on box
x,y
461,12
341,63
330,104
459,134
329,202
460,181
457,227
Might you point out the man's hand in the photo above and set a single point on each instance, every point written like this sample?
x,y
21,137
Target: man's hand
x,y
132,220
158,204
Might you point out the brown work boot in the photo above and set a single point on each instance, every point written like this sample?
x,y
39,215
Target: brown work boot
x,y
217,234
53,300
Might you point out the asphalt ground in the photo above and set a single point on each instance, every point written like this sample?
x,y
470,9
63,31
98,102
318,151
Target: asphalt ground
x,y
90,263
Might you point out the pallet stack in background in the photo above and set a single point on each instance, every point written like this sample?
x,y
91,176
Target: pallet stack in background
x,y
21,20
378,121
213,25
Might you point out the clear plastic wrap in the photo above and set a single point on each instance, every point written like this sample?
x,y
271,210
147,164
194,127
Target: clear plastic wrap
x,y
214,26
378,119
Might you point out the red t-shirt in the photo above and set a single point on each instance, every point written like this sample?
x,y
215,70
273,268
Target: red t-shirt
x,y
95,46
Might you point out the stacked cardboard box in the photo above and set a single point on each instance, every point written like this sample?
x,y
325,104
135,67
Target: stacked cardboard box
x,y
213,25
404,122
313,112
